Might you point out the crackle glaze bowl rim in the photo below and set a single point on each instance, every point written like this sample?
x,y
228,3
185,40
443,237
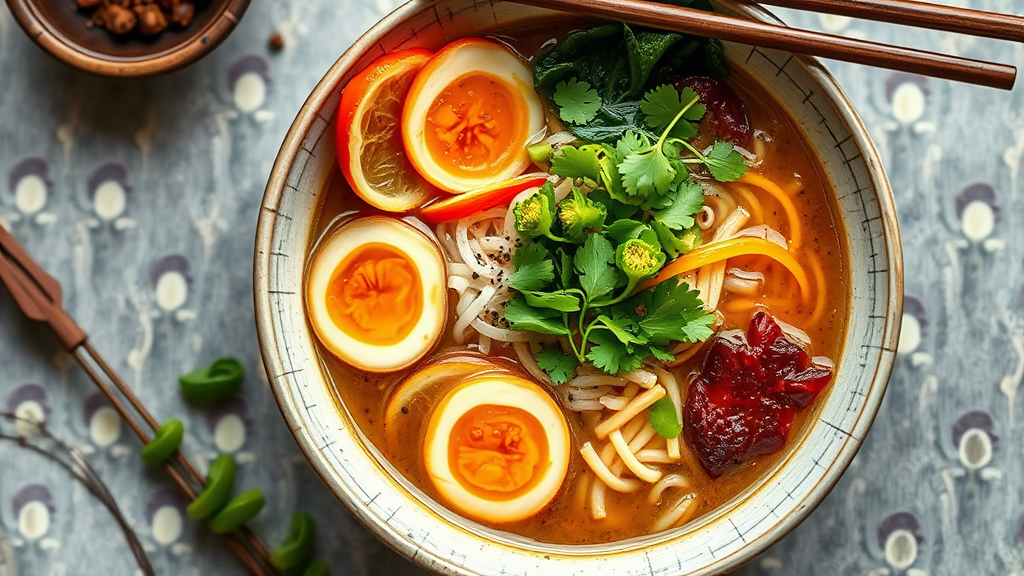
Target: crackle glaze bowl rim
x,y
439,540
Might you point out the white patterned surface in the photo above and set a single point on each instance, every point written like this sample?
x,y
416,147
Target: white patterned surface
x,y
141,198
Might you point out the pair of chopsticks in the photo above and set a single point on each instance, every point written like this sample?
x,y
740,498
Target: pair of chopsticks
x,y
797,41
39,296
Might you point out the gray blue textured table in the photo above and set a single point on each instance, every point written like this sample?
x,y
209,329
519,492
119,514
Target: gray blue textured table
x,y
142,197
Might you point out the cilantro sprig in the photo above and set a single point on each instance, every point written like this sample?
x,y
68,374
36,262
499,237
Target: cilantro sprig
x,y
578,279
631,210
645,166
578,102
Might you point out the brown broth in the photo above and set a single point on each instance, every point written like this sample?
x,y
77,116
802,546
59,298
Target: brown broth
x,y
789,161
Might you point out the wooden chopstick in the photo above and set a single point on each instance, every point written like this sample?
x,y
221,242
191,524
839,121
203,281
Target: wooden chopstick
x,y
797,41
38,295
918,14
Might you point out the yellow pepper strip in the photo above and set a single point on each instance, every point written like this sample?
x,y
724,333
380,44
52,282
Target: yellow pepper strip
x,y
795,231
726,249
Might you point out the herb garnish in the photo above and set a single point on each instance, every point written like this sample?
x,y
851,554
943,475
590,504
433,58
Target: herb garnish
x,y
578,103
632,208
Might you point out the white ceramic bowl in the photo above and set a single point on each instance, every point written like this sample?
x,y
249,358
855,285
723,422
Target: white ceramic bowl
x,y
440,540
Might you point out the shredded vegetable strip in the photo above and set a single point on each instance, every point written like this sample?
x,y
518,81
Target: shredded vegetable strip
x,y
732,224
712,276
726,249
819,285
649,475
738,305
716,279
795,231
639,404
754,205
604,474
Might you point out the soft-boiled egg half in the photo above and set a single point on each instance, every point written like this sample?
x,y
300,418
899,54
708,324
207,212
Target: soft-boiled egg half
x,y
469,115
376,293
497,448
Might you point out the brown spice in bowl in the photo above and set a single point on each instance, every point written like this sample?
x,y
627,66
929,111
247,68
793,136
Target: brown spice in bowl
x,y
149,17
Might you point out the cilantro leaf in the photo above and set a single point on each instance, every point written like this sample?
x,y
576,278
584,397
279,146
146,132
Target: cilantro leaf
x,y
578,102
565,272
664,419
662,104
560,367
688,201
674,312
530,253
673,150
662,354
676,244
595,263
724,162
572,162
646,171
623,328
660,202
522,316
631,143
533,276
624,229
560,300
606,351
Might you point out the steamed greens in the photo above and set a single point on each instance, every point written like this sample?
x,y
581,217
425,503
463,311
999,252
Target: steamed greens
x,y
598,75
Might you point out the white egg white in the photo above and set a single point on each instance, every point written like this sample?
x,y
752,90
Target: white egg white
x,y
458,60
499,390
420,251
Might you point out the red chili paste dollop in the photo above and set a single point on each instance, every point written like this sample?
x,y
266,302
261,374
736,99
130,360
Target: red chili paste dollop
x,y
749,391
725,110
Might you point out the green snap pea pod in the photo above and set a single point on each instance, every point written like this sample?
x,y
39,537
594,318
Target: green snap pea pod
x,y
214,382
240,510
298,546
219,481
317,568
164,443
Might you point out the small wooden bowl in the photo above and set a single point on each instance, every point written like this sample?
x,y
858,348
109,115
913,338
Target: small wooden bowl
x,y
60,29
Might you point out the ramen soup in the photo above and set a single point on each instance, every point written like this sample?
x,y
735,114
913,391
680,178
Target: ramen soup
x,y
579,285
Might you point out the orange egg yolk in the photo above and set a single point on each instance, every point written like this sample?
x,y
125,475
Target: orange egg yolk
x,y
498,452
375,295
475,124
